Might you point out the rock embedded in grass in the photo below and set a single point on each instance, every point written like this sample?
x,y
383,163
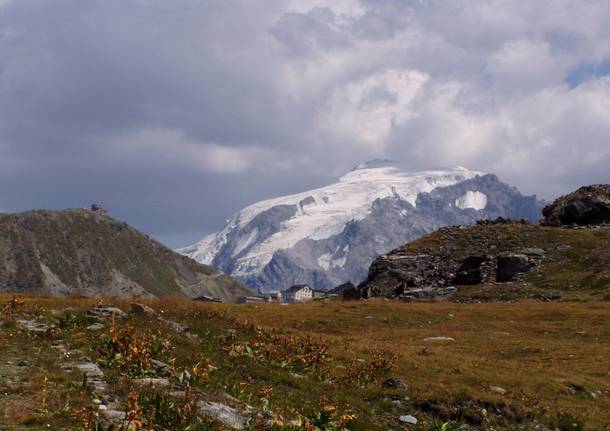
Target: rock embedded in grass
x,y
151,381
394,384
162,368
142,310
33,326
106,312
228,416
439,339
409,419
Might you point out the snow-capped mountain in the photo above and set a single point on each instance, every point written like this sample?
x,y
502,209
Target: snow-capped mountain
x,y
330,235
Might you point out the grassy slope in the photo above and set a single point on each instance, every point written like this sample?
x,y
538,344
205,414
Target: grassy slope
x,y
576,263
83,248
550,357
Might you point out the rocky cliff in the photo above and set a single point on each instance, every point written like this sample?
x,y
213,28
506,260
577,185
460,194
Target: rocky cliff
x,y
89,253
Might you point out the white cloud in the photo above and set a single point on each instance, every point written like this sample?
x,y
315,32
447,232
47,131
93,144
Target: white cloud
x,y
366,110
172,148
524,66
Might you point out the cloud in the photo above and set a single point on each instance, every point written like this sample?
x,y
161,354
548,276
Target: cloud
x,y
171,147
366,110
175,117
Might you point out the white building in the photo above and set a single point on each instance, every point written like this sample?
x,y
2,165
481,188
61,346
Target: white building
x,y
296,293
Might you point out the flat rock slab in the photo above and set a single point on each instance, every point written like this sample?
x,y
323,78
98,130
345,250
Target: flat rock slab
x,y
33,326
90,369
228,416
408,419
115,416
176,327
106,312
498,390
150,381
427,339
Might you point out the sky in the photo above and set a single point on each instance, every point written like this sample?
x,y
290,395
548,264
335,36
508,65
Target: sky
x,y
177,113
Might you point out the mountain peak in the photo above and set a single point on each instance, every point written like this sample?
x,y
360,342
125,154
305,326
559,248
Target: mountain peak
x,y
376,163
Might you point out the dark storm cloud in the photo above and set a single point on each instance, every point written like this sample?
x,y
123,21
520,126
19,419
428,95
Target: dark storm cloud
x,y
176,114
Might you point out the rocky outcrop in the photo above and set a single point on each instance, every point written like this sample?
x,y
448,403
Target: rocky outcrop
x,y
86,252
588,205
454,259
510,265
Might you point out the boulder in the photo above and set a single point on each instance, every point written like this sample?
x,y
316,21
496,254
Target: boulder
x,y
511,265
142,310
474,270
588,205
393,383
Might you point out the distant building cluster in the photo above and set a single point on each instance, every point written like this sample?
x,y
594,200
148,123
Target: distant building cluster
x,y
296,293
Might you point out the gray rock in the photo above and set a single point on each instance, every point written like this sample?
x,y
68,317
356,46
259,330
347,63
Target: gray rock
x,y
33,326
586,206
115,416
95,327
162,367
427,339
176,327
498,390
408,419
228,416
90,369
150,381
511,265
394,384
106,312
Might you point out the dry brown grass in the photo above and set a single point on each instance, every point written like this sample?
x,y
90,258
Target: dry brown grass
x,y
551,358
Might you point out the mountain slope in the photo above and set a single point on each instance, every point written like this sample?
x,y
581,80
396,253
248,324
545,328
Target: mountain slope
x,y
330,235
87,252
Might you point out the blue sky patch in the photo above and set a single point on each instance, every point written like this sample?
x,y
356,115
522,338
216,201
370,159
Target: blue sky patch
x,y
587,71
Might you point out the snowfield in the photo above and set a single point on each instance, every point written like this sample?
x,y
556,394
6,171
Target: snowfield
x,y
324,212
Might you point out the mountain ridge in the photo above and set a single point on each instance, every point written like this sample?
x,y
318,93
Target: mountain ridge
x,y
328,236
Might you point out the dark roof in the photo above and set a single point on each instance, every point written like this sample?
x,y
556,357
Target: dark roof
x,y
296,288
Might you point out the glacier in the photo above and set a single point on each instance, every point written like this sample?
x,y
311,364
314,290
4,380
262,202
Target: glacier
x,y
305,237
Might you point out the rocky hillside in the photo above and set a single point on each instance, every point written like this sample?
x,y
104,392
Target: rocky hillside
x,y
504,259
87,252
329,236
